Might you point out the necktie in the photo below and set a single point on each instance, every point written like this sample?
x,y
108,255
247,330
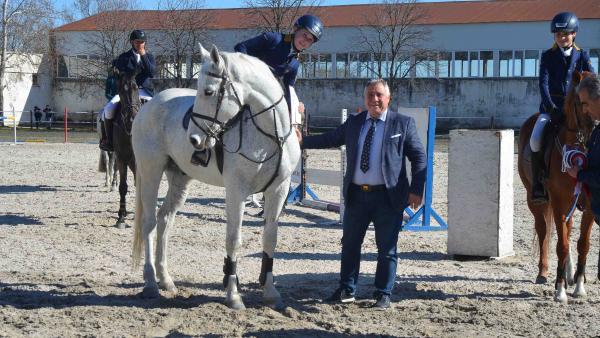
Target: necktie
x,y
366,151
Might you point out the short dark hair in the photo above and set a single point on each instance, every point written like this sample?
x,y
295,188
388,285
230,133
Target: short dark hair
x,y
591,84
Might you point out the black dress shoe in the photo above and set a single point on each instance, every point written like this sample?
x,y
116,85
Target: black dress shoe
x,y
382,302
341,296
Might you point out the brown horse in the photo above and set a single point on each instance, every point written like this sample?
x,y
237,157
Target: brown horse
x,y
127,109
575,131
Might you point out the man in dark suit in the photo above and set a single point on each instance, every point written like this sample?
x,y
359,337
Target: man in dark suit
x,y
376,187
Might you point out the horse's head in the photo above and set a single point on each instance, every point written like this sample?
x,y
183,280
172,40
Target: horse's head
x,y
130,98
576,120
216,100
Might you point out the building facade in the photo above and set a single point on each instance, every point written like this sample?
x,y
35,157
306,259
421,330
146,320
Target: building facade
x,y
481,69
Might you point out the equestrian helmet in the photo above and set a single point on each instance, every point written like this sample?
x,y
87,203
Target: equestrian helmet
x,y
564,22
312,24
137,35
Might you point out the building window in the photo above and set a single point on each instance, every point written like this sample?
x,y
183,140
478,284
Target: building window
x,y
342,67
323,66
381,66
473,64
461,64
61,66
595,58
486,63
424,67
196,65
444,64
518,60
35,80
360,65
506,63
531,63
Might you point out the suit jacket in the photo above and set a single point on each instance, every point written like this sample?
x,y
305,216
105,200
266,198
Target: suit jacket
x,y
556,72
395,151
127,63
591,174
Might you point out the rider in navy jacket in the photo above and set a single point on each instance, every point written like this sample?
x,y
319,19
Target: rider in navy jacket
x,y
556,69
134,60
146,66
280,51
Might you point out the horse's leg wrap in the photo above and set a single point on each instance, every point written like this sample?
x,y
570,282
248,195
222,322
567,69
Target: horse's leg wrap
x,y
560,275
580,271
229,268
266,266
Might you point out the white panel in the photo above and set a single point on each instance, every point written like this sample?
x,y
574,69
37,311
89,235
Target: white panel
x,y
480,205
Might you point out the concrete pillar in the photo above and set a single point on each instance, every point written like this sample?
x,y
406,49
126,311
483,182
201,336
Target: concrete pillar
x,y
480,193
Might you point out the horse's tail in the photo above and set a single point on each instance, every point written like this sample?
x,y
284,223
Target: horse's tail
x,y
102,162
138,243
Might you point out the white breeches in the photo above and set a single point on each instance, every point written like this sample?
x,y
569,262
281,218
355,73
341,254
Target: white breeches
x,y
294,103
108,112
535,142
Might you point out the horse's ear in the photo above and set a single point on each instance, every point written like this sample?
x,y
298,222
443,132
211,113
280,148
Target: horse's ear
x,y
204,54
214,55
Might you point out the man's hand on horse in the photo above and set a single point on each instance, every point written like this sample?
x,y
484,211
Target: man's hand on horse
x,y
573,171
414,201
301,108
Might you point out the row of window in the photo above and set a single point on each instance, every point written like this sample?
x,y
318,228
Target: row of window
x,y
456,64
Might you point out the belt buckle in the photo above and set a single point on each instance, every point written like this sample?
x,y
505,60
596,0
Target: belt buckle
x,y
365,188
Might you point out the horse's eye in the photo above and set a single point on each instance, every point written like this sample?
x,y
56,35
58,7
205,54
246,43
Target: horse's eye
x,y
209,92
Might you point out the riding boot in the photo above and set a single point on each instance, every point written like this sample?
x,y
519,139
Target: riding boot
x,y
538,192
107,141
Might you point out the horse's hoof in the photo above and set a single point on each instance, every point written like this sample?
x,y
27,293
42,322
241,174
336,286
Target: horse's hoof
x,y
560,296
121,225
236,303
541,280
149,293
579,291
169,287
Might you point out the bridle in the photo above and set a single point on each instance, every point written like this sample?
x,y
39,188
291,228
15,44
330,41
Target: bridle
x,y
217,128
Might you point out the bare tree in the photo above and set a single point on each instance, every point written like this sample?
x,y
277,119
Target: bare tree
x,y
107,41
394,36
278,15
183,25
24,29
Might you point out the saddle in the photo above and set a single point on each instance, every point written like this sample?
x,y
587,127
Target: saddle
x,y
203,157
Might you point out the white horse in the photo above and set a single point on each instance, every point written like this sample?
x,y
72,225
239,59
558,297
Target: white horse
x,y
106,162
240,105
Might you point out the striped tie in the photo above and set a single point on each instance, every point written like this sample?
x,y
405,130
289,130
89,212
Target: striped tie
x,y
366,151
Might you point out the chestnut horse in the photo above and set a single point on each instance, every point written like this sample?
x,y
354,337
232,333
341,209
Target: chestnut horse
x,y
574,132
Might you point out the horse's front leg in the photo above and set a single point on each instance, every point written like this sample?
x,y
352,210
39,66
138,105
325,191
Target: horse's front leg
x,y
583,247
233,239
274,201
562,250
123,193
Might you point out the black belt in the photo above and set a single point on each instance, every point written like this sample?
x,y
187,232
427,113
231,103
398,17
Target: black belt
x,y
369,188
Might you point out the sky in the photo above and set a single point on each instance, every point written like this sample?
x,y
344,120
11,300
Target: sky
x,y
151,4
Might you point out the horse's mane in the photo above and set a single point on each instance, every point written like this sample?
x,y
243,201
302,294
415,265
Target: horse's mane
x,y
243,66
572,104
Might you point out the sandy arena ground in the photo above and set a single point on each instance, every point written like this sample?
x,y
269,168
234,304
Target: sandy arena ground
x,y
65,271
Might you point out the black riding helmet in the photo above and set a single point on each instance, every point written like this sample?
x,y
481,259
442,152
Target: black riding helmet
x,y
137,35
312,24
564,22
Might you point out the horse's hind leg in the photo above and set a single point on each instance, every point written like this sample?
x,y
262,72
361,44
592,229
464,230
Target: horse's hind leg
x,y
176,195
583,247
112,164
234,201
274,200
542,223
